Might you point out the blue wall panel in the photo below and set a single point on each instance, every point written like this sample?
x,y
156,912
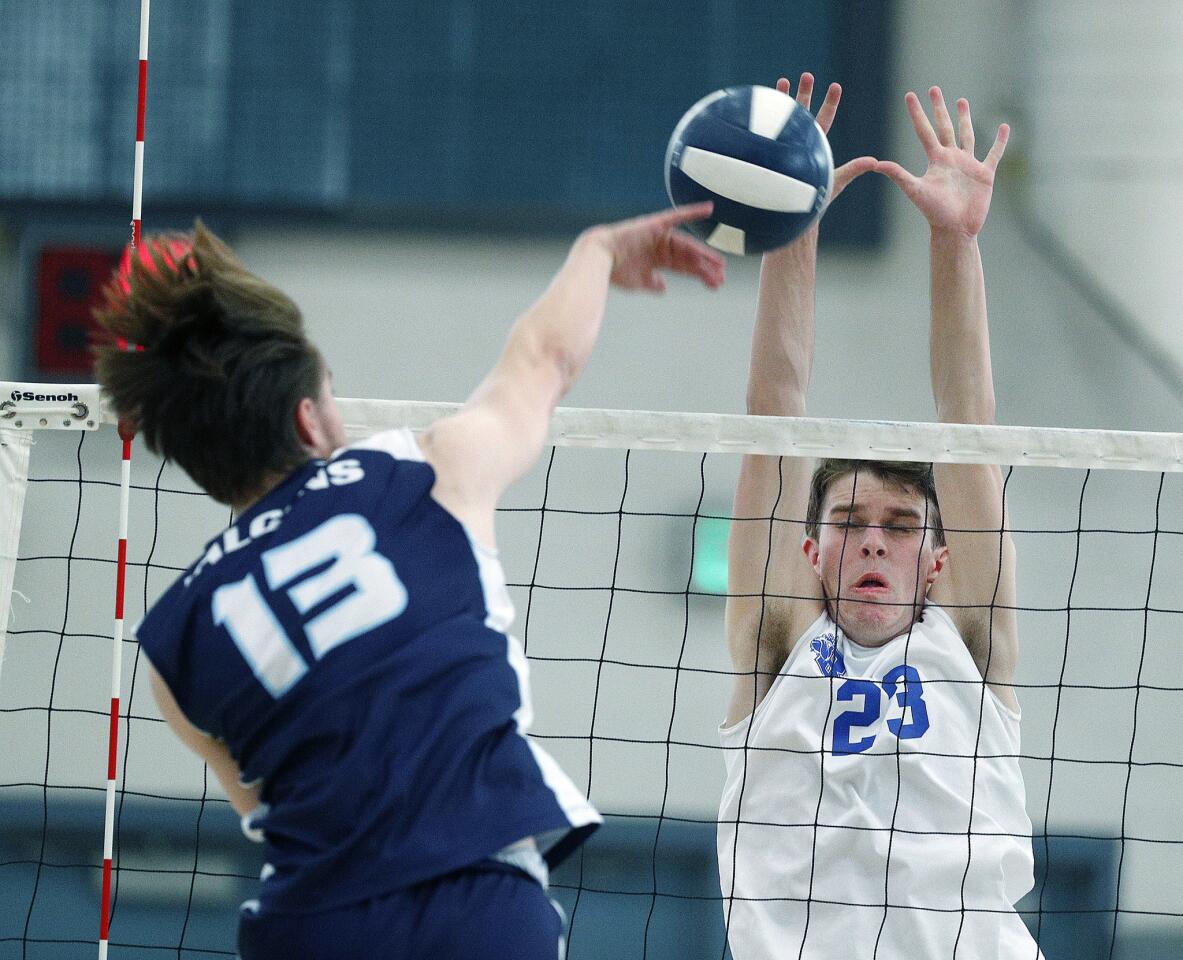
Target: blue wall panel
x,y
528,113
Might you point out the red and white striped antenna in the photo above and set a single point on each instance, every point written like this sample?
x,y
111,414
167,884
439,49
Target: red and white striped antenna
x,y
137,194
125,435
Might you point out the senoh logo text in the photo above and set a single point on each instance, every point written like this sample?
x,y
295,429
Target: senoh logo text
x,y
44,397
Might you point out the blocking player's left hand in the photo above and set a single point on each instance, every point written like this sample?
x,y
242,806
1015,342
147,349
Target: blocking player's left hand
x,y
954,193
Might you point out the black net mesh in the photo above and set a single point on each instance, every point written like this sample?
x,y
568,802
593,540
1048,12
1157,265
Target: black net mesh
x,y
615,564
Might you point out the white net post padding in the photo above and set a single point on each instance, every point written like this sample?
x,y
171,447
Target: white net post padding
x,y
14,475
24,408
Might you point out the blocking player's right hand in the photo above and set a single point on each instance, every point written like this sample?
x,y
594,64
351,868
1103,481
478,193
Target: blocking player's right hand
x,y
955,191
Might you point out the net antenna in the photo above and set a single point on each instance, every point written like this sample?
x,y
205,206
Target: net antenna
x,y
126,434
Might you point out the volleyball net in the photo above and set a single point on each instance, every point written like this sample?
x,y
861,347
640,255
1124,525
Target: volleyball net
x,y
615,551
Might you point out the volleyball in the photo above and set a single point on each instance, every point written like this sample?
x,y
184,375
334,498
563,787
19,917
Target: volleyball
x,y
762,159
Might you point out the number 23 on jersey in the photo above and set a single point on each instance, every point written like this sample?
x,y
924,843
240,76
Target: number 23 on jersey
x,y
901,684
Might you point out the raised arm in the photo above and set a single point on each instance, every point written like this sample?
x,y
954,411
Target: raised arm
x,y
499,433
978,582
773,594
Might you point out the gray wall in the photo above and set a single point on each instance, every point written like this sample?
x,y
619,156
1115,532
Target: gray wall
x,y
1103,90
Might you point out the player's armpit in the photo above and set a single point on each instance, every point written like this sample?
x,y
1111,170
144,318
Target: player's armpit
x,y
759,641
773,593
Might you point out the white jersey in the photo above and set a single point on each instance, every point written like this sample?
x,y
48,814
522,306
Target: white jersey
x,y
880,807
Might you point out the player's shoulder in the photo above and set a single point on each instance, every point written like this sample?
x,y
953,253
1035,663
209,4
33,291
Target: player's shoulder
x,y
817,642
818,623
398,444
162,630
938,636
936,616
389,461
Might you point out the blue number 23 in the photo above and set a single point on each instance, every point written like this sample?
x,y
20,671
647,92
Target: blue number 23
x,y
902,683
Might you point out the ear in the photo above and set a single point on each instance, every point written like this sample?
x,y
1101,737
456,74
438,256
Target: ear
x,y
812,552
308,427
940,557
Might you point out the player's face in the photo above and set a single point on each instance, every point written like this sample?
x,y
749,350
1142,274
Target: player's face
x,y
873,556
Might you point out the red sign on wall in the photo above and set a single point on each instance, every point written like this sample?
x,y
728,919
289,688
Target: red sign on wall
x,y
69,285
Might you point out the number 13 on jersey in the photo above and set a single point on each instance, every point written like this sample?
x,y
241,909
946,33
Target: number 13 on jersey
x,y
901,684
369,593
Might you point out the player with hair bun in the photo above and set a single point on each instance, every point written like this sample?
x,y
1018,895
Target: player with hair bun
x,y
874,806
339,654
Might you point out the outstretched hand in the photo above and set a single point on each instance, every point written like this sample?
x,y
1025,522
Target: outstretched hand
x,y
643,247
954,193
844,174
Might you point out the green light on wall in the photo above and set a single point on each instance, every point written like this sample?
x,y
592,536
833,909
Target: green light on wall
x,y
709,572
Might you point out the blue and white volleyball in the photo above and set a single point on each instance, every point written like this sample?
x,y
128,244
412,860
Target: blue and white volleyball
x,y
762,159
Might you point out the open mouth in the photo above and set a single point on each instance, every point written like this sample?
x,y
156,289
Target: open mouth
x,y
871,583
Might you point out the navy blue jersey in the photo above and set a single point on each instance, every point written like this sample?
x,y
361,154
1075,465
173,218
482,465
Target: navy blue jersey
x,y
346,639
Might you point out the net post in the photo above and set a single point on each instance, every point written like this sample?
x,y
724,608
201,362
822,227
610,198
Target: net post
x,y
14,480
26,407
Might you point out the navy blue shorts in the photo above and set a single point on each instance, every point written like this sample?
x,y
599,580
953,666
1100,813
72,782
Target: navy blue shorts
x,y
490,911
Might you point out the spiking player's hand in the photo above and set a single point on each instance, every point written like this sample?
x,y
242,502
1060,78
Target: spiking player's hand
x,y
954,193
643,247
